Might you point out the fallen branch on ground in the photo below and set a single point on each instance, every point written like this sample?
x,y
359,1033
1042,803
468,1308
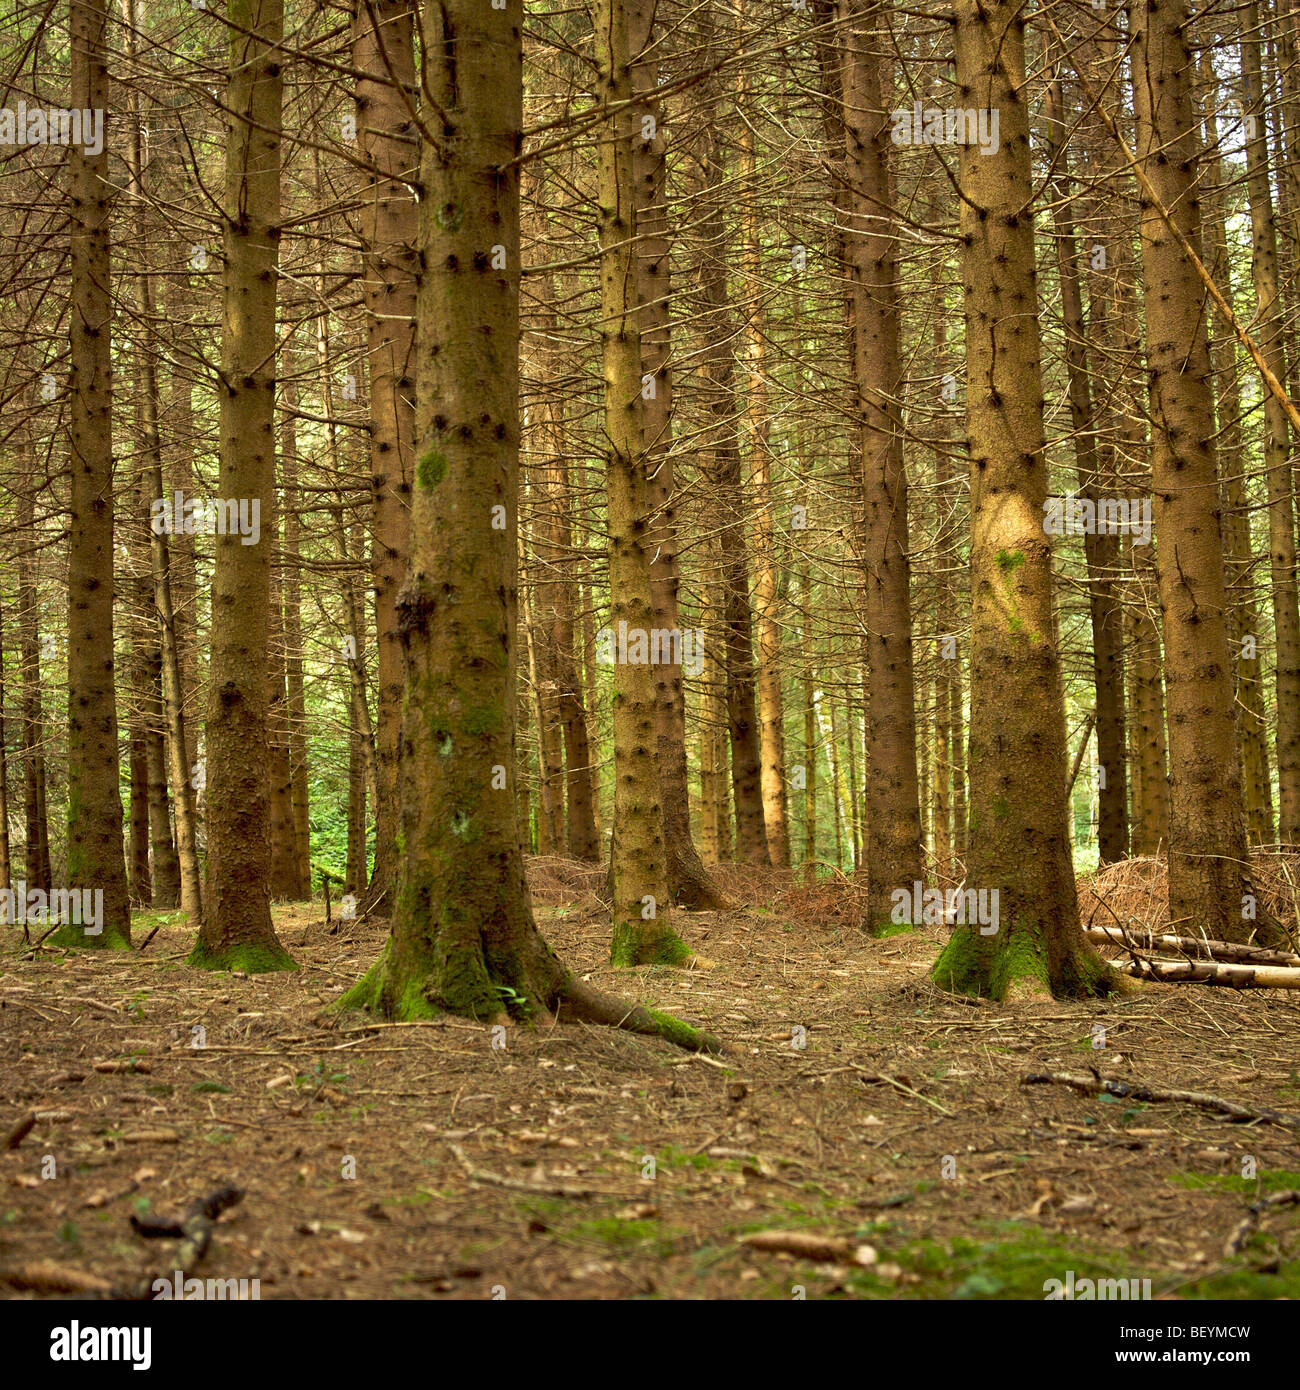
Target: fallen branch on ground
x,y
539,1189
1175,972
1192,945
590,1005
1246,1227
808,1246
1125,1090
21,1130
44,1276
194,1228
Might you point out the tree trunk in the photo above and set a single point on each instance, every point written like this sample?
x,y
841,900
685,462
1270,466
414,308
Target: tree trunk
x,y
36,847
237,932
390,266
719,402
1018,835
463,937
770,715
1101,551
893,844
1208,870
642,933
296,703
95,858
1243,612
688,882
176,878
1270,328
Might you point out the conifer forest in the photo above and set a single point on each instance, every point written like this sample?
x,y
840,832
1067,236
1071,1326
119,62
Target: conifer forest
x,y
648,650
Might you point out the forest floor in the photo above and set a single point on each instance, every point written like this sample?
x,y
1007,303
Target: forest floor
x,y
422,1161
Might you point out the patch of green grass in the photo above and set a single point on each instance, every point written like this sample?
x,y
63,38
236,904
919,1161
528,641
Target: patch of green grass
x,y
213,1087
888,929
1012,1260
1267,1180
418,1198
642,1235
673,1157
151,917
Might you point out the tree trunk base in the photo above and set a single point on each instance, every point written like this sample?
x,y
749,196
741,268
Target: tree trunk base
x,y
250,958
1015,965
554,997
110,939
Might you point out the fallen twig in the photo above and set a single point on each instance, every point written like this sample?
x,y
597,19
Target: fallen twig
x,y
194,1227
1246,1226
553,1189
808,1246
21,1130
869,1076
1125,1090
1233,951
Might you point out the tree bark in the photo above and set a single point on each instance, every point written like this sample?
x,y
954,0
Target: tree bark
x,y
237,932
463,937
1018,836
1208,869
642,933
95,858
1270,324
893,831
688,882
383,49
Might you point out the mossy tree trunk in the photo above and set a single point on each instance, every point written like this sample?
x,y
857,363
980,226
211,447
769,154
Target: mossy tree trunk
x,y
237,933
95,855
1018,845
463,938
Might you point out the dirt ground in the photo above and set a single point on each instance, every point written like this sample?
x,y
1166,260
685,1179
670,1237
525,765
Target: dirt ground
x,y
442,1161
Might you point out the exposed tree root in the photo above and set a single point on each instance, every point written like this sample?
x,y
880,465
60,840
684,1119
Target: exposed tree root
x,y
592,1006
